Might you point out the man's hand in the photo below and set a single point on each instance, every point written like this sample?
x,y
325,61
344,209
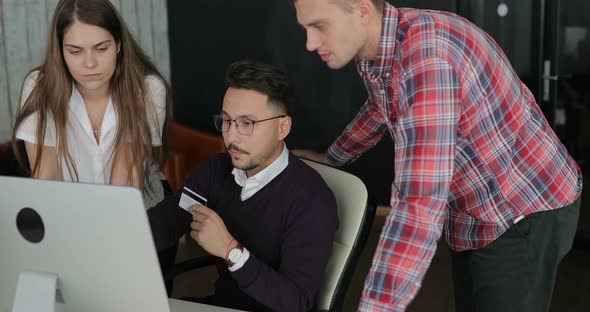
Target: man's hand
x,y
309,154
209,231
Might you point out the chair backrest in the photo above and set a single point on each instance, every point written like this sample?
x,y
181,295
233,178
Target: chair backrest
x,y
9,164
3,158
356,213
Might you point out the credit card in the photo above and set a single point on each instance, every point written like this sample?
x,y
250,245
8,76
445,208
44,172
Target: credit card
x,y
190,197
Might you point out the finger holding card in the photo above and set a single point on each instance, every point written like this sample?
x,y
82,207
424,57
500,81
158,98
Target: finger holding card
x,y
209,230
193,210
197,223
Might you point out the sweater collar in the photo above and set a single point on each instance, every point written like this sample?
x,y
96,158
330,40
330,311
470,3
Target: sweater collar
x,y
256,182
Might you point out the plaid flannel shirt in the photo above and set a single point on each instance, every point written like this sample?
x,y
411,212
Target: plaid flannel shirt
x,y
473,151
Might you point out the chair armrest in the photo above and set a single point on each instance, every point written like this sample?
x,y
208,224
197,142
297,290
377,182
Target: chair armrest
x,y
189,265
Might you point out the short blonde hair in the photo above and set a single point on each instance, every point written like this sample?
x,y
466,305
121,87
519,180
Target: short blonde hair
x,y
347,4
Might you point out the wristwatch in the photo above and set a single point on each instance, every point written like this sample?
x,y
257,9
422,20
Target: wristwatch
x,y
234,255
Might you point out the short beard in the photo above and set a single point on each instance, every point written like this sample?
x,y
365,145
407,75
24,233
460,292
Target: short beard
x,y
247,167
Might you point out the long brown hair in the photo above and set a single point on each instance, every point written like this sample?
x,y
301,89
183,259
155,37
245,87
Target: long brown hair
x,y
130,96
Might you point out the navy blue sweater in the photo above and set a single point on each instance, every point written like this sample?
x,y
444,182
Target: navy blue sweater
x,y
288,227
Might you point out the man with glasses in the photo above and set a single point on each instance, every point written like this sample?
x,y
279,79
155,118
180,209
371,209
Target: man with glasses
x,y
268,216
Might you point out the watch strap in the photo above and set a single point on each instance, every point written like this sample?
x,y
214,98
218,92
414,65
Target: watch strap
x,y
227,260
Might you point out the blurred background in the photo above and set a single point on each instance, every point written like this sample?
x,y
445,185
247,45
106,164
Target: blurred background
x,y
192,42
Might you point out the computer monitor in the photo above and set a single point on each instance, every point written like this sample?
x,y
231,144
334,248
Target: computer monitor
x,y
95,239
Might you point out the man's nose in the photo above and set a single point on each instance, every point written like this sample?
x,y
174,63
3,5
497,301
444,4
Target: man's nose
x,y
313,42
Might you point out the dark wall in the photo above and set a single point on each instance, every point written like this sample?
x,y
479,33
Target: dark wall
x,y
206,36
518,32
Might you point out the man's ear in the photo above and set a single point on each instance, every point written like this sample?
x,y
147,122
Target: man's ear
x,y
284,127
366,9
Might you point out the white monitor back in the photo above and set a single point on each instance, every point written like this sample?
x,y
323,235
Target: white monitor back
x,y
97,240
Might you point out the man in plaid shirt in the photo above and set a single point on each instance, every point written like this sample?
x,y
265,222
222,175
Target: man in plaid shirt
x,y
473,155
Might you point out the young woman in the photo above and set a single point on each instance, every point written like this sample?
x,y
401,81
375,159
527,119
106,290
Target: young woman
x,y
97,109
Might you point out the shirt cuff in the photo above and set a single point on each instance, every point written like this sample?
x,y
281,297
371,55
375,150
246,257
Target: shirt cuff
x,y
378,306
337,157
238,265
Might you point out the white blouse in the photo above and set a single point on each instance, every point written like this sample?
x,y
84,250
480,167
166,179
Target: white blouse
x,y
94,161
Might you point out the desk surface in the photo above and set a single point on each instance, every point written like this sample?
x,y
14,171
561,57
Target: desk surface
x,y
185,306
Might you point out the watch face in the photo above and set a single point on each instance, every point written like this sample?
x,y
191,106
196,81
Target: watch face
x,y
234,255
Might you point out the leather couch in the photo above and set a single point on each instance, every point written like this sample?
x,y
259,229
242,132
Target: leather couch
x,y
189,149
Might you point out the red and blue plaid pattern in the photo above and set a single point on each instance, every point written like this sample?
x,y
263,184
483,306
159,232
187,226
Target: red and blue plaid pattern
x,y
473,152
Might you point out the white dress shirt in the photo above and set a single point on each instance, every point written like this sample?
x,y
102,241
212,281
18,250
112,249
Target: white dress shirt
x,y
254,184
93,161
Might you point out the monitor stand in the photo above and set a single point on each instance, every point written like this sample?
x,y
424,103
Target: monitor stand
x,y
35,292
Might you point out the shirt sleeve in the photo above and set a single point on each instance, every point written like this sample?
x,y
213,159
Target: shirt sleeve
x,y
27,130
169,221
366,129
425,142
157,116
304,255
243,259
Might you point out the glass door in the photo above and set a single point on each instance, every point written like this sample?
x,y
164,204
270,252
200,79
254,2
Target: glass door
x,y
565,80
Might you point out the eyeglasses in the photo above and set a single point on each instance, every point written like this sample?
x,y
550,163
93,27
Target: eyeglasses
x,y
244,125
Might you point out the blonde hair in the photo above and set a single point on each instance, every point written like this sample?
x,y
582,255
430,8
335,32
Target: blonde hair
x,y
130,96
347,4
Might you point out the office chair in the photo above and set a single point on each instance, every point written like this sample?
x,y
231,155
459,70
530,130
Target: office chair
x,y
9,165
356,211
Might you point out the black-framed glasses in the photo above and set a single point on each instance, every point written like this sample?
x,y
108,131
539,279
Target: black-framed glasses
x,y
244,125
